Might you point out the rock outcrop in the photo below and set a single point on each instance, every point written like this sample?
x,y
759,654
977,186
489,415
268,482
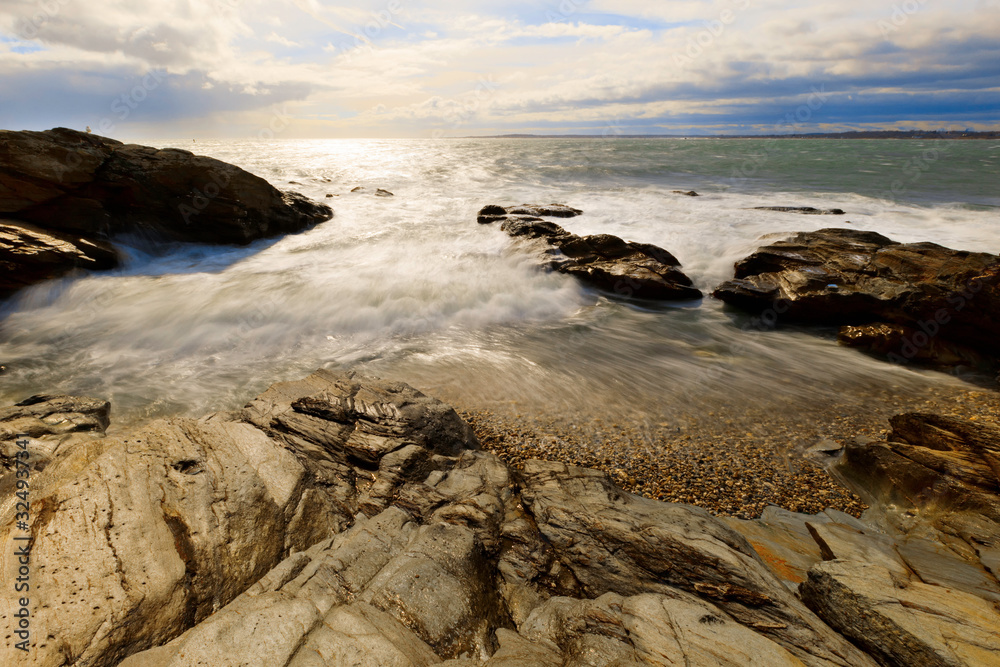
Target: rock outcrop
x,y
915,301
804,210
29,255
64,193
606,262
53,425
342,519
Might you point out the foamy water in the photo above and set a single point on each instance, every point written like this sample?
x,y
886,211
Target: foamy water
x,y
410,287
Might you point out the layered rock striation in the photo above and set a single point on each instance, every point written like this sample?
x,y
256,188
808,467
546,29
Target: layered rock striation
x,y
342,519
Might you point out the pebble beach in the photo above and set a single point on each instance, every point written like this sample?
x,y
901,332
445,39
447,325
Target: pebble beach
x,y
727,463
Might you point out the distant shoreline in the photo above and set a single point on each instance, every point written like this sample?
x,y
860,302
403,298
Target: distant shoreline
x,y
964,136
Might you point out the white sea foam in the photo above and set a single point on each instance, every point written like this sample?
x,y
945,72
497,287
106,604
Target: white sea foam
x,y
410,286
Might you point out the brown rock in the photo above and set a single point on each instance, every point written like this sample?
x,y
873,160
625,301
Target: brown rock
x,y
29,255
850,277
603,261
64,193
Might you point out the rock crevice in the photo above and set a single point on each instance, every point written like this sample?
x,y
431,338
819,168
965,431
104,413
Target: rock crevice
x,y
259,538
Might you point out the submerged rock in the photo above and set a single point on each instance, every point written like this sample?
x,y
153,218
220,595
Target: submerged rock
x,y
81,189
946,299
804,210
901,342
603,261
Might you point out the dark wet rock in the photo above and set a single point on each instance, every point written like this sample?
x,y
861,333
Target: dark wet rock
x,y
342,519
494,213
949,299
82,189
104,187
804,210
383,193
603,261
911,345
358,188
688,193
195,198
29,255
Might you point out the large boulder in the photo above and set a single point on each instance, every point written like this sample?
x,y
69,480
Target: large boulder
x,y
64,193
938,301
606,262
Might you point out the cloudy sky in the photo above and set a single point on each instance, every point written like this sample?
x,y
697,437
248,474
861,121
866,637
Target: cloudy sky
x,y
410,68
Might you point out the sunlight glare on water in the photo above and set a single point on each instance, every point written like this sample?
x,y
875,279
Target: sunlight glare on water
x,y
410,287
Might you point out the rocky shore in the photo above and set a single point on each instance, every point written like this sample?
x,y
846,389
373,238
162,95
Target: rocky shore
x,y
343,519
346,519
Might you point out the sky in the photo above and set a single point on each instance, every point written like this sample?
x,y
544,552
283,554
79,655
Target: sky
x,y
272,69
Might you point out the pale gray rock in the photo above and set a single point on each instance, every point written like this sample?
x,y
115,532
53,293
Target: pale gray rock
x,y
903,621
342,520
948,563
649,629
837,541
603,540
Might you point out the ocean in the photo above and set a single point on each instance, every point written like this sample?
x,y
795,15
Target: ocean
x,y
410,287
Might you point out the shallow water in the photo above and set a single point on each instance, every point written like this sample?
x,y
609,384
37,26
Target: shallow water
x,y
410,287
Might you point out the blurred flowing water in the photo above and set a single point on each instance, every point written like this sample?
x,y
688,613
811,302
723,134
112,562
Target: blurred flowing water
x,y
410,287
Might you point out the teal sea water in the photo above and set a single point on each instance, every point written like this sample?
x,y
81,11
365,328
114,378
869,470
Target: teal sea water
x,y
410,287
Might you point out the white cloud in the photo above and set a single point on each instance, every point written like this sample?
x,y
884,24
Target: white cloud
x,y
406,69
275,38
